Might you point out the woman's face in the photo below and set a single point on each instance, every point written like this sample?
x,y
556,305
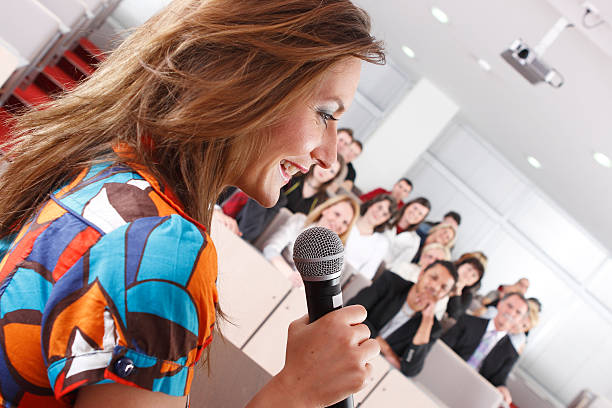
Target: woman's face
x,y
305,137
442,236
430,256
468,275
414,214
322,176
344,140
378,213
337,217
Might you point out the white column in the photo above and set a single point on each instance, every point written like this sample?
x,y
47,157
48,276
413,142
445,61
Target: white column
x,y
404,134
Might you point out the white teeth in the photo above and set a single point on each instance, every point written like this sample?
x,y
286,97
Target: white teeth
x,y
290,169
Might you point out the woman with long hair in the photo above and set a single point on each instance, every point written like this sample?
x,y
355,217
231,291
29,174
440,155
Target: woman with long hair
x,y
367,244
470,268
306,191
444,234
337,214
404,241
108,283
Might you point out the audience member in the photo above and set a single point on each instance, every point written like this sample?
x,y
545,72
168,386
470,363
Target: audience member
x,y
345,138
337,214
520,331
401,314
410,271
400,191
470,268
350,153
300,195
306,191
367,244
403,240
535,302
485,344
452,217
220,218
442,233
520,286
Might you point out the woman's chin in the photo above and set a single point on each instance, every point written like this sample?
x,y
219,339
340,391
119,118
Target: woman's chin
x,y
265,198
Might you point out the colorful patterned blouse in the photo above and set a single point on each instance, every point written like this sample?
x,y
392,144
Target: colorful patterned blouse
x,y
110,282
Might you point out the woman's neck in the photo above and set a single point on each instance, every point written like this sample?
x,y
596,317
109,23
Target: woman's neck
x,y
364,227
311,187
403,225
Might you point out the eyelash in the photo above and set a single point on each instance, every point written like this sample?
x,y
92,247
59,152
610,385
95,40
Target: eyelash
x,y
326,116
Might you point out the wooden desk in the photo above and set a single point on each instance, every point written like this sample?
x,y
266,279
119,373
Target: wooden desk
x,y
396,390
454,382
249,286
380,367
233,378
269,344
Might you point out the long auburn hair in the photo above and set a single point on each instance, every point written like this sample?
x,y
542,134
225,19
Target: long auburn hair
x,y
193,93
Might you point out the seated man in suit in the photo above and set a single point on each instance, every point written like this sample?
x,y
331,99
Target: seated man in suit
x,y
484,342
401,313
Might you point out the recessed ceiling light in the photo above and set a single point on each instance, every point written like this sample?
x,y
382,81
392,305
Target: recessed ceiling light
x,y
534,162
408,51
602,159
484,64
439,15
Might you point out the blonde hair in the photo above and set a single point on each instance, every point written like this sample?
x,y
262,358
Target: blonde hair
x,y
435,246
533,313
442,226
315,214
193,93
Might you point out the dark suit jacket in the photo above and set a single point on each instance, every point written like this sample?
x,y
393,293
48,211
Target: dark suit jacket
x,y
383,299
464,337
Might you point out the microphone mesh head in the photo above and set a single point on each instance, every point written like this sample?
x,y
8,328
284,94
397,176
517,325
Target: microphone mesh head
x,y
318,253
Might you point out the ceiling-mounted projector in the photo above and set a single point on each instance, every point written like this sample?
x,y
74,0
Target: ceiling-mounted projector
x,y
527,63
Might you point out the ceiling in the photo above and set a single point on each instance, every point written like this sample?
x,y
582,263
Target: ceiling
x,y
562,128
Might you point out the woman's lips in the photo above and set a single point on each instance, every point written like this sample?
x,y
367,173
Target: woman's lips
x,y
289,168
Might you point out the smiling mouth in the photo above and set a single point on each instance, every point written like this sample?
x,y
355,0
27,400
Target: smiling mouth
x,y
288,169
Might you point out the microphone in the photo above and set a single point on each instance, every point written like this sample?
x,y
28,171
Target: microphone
x,y
318,255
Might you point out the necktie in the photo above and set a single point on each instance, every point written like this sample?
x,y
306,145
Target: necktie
x,y
483,349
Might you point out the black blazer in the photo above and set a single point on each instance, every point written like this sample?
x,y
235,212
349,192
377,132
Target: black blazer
x,y
383,299
457,305
464,337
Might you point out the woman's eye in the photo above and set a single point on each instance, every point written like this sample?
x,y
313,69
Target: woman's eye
x,y
326,116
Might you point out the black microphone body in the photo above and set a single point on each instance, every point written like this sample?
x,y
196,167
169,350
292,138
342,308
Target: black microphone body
x,y
318,254
322,297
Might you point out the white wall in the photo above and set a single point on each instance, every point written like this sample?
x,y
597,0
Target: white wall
x,y
416,121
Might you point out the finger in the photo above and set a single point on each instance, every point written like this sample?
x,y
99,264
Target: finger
x,y
353,314
361,333
302,321
369,349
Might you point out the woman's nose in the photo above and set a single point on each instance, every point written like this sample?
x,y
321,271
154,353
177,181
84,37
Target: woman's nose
x,y
326,153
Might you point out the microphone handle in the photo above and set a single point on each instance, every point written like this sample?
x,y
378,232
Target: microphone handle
x,y
322,298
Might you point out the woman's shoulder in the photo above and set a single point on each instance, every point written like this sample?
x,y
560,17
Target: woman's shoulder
x,y
379,239
406,237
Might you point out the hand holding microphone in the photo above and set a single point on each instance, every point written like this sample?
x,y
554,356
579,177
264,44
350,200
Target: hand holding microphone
x,y
334,348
